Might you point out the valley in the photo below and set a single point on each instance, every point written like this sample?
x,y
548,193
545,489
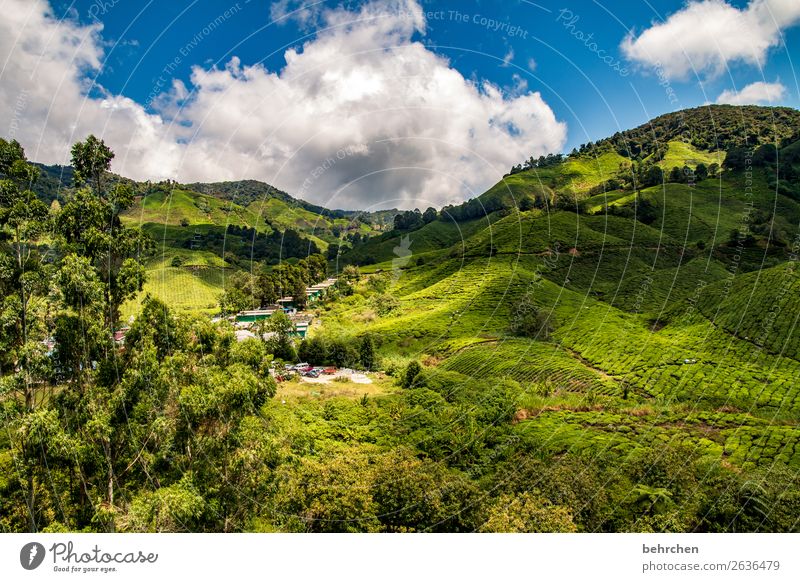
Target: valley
x,y
603,341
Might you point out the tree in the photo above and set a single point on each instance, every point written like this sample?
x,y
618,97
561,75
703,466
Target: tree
x,y
326,494
91,159
765,154
281,344
701,172
385,304
155,325
367,352
527,512
313,350
736,158
299,296
89,225
342,353
408,220
410,374
239,294
24,278
265,288
316,268
429,215
25,219
379,282
351,273
676,175
333,252
528,320
416,495
651,175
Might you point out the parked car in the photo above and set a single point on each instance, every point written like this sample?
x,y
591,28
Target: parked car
x,y
329,371
311,373
301,366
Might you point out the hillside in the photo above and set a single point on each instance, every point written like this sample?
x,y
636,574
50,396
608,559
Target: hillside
x,y
248,192
652,300
571,351
708,128
664,317
205,232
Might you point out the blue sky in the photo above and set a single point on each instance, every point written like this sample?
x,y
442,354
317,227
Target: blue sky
x,y
173,74
590,95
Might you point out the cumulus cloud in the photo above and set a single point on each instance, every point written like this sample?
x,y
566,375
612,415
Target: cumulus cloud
x,y
363,115
753,94
44,88
705,36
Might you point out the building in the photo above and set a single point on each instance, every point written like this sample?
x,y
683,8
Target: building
x,y
301,328
255,315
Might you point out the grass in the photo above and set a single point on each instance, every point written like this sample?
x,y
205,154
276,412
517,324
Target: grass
x,y
680,154
163,214
648,310
196,209
430,239
575,176
297,390
761,307
193,289
543,367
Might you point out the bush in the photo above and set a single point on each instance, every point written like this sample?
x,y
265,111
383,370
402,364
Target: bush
x,y
528,320
412,371
385,304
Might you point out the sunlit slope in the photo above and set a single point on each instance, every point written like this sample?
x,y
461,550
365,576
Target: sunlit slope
x,y
761,307
680,154
179,207
194,286
574,176
630,302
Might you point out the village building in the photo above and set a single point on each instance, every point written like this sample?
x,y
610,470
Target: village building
x,y
244,320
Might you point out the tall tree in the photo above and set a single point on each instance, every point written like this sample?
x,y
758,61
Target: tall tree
x,y
91,159
367,352
24,274
90,225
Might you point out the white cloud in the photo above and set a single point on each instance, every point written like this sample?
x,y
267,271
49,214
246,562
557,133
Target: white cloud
x,y
705,36
753,94
388,121
303,13
509,56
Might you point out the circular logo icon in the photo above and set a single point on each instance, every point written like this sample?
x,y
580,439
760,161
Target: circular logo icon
x,y
31,555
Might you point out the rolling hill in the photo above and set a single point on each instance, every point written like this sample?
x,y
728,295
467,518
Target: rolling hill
x,y
593,352
203,232
671,310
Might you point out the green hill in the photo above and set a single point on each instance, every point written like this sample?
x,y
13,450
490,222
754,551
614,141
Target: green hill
x,y
184,207
667,315
573,349
708,128
680,154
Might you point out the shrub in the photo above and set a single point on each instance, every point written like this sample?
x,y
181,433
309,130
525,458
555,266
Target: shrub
x,y
385,304
411,372
528,320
